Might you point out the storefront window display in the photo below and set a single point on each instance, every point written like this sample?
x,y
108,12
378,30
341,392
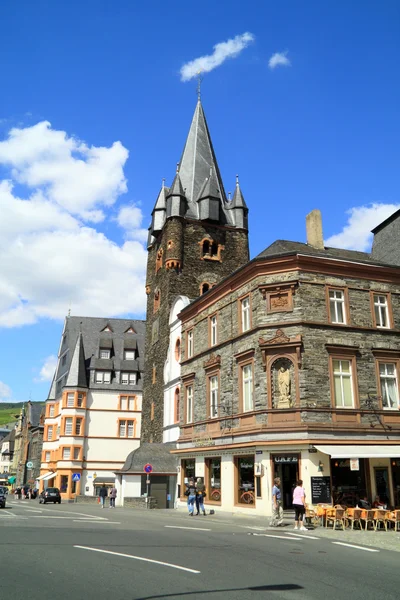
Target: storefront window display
x,y
64,484
245,480
188,469
348,486
213,482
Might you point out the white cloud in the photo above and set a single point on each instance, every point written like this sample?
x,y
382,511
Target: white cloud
x,y
356,234
49,259
5,392
229,49
77,177
279,59
48,368
130,219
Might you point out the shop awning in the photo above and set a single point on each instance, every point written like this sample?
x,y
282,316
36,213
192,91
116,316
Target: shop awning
x,y
12,479
106,480
360,451
46,476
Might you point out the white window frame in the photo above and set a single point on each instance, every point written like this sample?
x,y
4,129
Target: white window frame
x,y
189,404
337,299
47,456
69,424
130,378
213,330
80,400
122,428
80,421
245,313
76,453
50,432
213,384
105,353
247,384
66,451
131,403
129,355
70,401
51,411
343,375
381,310
190,345
102,377
383,381
130,427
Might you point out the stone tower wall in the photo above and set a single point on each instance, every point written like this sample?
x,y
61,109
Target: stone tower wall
x,y
169,283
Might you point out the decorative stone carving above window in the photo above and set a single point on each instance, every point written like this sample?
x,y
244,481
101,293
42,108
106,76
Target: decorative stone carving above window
x,y
172,263
213,361
210,249
279,296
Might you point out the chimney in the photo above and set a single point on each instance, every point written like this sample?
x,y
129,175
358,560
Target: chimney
x,y
315,237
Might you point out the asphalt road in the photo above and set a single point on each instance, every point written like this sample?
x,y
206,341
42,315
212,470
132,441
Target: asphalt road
x,y
82,552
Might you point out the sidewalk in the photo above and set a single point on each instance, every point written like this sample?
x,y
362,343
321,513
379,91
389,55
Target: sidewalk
x,y
381,539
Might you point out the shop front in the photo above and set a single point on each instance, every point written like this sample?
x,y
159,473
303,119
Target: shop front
x,y
286,467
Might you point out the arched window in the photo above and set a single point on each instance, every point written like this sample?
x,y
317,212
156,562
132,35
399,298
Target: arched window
x,y
206,247
210,249
157,300
176,405
159,258
178,350
205,286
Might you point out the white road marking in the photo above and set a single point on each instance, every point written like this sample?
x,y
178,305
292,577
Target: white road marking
x,y
33,510
357,547
255,528
49,517
149,560
192,528
98,522
304,537
278,537
7,512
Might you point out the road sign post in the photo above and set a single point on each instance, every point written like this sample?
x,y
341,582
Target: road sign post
x,y
75,478
148,469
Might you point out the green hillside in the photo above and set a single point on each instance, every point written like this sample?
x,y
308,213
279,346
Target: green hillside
x,y
7,415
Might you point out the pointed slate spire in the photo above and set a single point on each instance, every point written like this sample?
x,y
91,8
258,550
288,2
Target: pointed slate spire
x,y
159,210
77,370
197,158
209,199
176,201
239,208
52,392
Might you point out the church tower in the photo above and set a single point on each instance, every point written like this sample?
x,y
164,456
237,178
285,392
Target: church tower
x,y
197,237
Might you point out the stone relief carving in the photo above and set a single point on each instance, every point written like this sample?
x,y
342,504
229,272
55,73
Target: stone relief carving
x,y
282,373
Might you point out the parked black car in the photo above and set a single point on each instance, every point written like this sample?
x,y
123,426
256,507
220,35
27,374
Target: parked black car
x,y
50,495
3,495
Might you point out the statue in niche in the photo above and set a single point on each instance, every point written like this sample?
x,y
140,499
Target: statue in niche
x,y
282,372
284,387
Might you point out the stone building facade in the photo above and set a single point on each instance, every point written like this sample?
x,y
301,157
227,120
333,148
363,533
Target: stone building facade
x,y
197,237
292,369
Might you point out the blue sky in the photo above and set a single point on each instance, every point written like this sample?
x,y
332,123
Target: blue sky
x,y
94,113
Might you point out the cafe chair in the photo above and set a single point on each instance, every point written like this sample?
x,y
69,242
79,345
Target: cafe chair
x,y
394,518
336,516
380,518
368,516
311,516
353,517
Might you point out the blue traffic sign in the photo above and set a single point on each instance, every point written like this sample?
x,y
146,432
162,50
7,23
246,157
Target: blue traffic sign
x,y
148,468
76,477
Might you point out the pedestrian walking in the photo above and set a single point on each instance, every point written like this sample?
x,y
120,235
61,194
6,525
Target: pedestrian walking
x,y
103,495
200,495
113,495
277,510
299,505
190,492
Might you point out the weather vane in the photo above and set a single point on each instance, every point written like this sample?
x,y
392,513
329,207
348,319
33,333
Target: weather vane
x,y
199,80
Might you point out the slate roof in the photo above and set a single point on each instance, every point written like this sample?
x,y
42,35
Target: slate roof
x,y
81,341
391,218
286,247
33,413
158,455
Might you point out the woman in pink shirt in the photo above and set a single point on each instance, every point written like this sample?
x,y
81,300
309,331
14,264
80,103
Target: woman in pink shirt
x,y
299,501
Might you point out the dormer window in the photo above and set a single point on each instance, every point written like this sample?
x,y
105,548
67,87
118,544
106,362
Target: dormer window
x,y
128,378
104,353
129,355
102,377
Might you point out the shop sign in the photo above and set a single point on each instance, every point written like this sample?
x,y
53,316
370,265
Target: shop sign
x,y
200,441
354,464
286,459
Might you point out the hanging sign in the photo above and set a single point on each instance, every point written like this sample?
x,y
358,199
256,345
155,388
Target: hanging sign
x,y
354,464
